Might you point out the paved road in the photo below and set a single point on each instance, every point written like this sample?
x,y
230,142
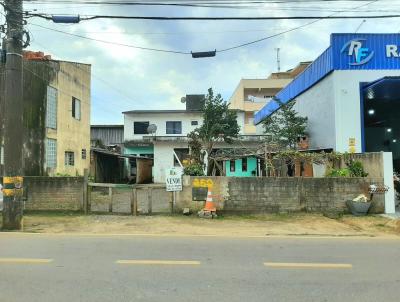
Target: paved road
x,y
133,268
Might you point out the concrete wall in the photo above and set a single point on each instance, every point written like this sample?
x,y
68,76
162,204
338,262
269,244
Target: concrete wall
x,y
54,193
258,195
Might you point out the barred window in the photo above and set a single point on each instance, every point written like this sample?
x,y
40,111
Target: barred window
x,y
51,108
51,153
69,158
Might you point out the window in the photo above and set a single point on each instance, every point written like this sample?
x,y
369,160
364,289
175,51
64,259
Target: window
x,y
51,108
140,127
2,155
174,127
51,153
232,166
182,154
195,123
244,164
69,158
83,153
76,108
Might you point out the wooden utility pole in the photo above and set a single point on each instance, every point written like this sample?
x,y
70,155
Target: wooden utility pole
x,y
13,117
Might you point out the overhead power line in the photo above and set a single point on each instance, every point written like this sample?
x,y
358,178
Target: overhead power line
x,y
217,50
113,43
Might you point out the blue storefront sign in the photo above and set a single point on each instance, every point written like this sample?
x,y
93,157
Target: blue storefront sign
x,y
365,51
346,52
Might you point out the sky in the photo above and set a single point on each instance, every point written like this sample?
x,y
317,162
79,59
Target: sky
x,y
127,78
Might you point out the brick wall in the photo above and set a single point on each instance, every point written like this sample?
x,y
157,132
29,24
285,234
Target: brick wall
x,y
54,193
291,194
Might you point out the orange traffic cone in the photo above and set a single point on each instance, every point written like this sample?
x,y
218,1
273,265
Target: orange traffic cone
x,y
209,206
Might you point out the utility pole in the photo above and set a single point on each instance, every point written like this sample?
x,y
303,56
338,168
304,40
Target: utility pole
x,y
278,58
13,117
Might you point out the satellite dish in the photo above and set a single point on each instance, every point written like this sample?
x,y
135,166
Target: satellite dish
x,y
183,100
151,129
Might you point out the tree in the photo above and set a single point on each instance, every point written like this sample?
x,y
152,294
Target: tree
x,y
219,124
285,126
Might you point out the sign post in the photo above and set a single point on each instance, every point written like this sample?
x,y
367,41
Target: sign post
x,y
173,182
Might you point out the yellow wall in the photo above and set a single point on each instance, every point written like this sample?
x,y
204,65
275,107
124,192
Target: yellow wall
x,y
73,80
257,88
251,86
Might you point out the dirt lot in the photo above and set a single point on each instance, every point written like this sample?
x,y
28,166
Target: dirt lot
x,y
257,225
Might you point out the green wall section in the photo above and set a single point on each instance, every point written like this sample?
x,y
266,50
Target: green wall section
x,y
139,150
251,166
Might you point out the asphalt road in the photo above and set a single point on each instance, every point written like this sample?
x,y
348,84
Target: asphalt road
x,y
136,268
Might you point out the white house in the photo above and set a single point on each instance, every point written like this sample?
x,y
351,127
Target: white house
x,y
162,134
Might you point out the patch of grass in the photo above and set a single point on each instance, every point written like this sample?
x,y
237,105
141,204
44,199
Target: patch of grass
x,y
260,217
53,213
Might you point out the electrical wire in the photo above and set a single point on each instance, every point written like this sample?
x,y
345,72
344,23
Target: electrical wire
x,y
285,32
112,43
218,50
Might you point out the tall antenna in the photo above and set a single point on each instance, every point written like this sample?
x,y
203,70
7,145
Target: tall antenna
x,y
278,58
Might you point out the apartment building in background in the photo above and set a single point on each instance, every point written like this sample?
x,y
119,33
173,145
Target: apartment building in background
x,y
251,95
56,116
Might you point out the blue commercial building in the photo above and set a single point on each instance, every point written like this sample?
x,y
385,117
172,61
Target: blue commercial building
x,y
350,94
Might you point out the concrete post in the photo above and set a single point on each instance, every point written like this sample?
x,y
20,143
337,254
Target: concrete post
x,y
110,196
390,207
13,118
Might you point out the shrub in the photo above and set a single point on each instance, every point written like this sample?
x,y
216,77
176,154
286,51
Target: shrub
x,y
356,169
338,173
194,169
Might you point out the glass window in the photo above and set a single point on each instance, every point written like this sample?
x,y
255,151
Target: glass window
x,y
232,166
140,127
244,164
51,108
195,123
76,108
69,158
51,153
174,127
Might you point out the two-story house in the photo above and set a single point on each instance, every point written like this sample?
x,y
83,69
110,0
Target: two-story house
x,y
56,116
162,135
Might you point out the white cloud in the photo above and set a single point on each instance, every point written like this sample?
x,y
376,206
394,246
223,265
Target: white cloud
x,y
138,79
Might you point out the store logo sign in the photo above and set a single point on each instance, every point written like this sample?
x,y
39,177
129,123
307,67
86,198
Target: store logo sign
x,y
354,48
